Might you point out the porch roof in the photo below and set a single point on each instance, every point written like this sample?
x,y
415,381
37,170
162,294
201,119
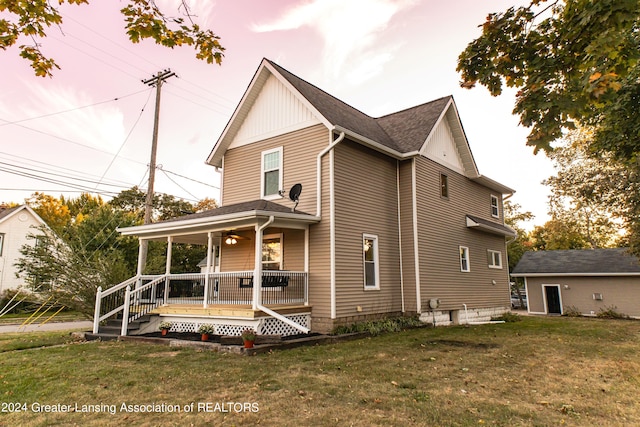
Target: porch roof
x,y
193,228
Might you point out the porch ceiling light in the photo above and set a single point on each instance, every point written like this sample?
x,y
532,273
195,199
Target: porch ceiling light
x,y
232,238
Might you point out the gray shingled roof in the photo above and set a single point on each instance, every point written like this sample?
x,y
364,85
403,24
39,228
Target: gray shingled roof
x,y
404,131
7,211
579,261
254,205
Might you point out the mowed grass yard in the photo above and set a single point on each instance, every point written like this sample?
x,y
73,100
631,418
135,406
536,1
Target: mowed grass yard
x,y
534,372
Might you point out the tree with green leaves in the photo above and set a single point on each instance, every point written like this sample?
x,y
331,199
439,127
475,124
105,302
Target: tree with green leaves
x,y
84,250
165,206
32,19
514,217
572,61
591,192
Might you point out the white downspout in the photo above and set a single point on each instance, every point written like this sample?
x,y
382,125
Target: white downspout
x,y
319,172
207,270
257,282
332,242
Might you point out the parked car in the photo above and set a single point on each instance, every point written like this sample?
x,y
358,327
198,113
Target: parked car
x,y
516,303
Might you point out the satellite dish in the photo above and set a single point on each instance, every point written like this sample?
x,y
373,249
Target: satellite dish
x,y
294,195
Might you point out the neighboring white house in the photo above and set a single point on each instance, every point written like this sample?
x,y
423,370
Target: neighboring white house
x,y
15,225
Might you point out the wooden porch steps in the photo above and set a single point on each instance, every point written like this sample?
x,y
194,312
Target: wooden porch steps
x,y
114,326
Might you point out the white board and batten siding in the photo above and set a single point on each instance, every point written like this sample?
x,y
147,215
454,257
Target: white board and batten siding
x,y
275,111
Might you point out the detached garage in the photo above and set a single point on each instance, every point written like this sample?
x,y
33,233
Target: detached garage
x,y
587,280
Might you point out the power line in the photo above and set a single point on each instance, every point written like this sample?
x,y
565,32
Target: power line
x,y
71,109
190,179
70,141
50,167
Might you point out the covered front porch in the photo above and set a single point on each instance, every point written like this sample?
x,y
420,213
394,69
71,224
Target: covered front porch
x,y
245,245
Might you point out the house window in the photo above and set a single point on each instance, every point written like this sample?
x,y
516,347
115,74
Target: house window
x,y
271,173
494,259
1,242
444,186
495,211
464,259
272,252
371,263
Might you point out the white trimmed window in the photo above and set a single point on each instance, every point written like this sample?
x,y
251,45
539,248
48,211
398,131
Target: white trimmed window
x,y
271,178
272,252
444,186
464,259
495,209
494,258
1,242
371,261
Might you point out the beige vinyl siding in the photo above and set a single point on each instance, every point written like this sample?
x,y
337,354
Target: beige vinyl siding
x,y
365,203
442,230
407,233
623,293
320,254
242,167
240,257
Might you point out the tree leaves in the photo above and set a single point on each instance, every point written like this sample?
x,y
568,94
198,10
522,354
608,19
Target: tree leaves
x,y
143,19
569,59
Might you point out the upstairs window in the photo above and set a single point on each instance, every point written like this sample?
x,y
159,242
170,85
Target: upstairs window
x,y
495,210
464,259
271,181
1,243
494,258
444,186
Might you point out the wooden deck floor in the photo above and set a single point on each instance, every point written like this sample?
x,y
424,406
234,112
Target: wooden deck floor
x,y
243,311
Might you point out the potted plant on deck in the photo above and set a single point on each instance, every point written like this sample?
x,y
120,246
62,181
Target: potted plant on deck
x,y
164,327
248,337
204,331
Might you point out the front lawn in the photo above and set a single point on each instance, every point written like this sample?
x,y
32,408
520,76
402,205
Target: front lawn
x,y
538,371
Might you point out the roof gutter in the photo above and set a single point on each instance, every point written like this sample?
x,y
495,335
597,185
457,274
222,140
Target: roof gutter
x,y
377,146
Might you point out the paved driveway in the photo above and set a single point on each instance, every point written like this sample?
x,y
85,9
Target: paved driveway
x,y
51,326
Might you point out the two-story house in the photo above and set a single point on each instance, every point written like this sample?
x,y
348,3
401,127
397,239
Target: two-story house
x,y
341,217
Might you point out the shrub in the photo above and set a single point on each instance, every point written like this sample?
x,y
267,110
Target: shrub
x,y
572,311
377,327
611,313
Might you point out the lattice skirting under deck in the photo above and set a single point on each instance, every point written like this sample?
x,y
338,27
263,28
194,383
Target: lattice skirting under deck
x,y
232,327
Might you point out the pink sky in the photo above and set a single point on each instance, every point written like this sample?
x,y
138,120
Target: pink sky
x,y
380,56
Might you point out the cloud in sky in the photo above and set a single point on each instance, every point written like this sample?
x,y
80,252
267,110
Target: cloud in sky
x,y
352,32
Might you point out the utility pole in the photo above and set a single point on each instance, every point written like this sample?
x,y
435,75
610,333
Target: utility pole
x,y
156,81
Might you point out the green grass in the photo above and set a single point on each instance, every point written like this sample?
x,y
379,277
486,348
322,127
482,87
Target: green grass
x,y
534,372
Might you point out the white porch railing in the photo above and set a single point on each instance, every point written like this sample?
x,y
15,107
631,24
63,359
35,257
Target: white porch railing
x,y
152,291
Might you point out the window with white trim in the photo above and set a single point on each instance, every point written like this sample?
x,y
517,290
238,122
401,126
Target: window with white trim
x,y
444,186
272,252
494,258
495,209
371,262
271,180
1,242
465,267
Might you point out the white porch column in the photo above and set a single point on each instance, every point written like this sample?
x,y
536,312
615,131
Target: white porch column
x,y
168,265
208,269
167,270
257,273
140,263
